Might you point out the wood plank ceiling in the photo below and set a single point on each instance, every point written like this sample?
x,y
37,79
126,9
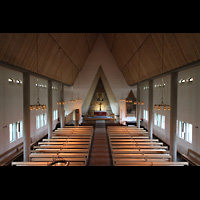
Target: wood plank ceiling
x,y
62,55
139,55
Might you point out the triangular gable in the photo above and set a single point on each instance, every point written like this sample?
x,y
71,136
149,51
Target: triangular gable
x,y
111,98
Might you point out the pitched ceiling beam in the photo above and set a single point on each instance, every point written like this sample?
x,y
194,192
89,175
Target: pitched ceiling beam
x,y
87,42
64,51
113,42
136,51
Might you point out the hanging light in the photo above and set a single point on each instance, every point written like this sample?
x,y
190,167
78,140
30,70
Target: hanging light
x,y
162,85
38,106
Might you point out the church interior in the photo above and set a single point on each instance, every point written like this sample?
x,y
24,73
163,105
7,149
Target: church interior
x,y
99,99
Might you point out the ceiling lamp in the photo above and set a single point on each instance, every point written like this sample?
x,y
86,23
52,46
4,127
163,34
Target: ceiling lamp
x,y
61,102
139,103
162,105
38,106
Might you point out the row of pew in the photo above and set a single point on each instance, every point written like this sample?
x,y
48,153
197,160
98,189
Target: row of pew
x,y
69,146
131,146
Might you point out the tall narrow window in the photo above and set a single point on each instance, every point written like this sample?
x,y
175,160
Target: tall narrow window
x,y
19,129
37,121
12,132
155,119
56,114
159,120
176,127
41,120
146,115
163,122
188,133
45,118
181,130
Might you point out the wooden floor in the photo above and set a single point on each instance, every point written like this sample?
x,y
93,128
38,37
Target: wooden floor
x,y
100,154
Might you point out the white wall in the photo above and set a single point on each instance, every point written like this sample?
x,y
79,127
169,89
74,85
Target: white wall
x,y
11,104
189,108
187,111
100,56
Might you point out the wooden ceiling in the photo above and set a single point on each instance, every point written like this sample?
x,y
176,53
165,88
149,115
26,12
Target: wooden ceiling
x,y
62,55
139,55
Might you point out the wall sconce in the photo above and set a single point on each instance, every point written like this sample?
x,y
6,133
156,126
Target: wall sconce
x,y
190,79
11,80
19,82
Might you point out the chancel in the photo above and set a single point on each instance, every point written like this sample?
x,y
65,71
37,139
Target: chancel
x,y
99,99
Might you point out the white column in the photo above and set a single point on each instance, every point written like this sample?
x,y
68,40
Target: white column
x,y
61,113
26,116
173,115
138,106
50,125
150,108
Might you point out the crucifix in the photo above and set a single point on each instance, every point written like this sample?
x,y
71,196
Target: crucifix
x,y
100,106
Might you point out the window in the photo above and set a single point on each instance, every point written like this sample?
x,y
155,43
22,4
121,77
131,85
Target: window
x,y
19,129
41,120
147,115
159,120
144,114
163,122
12,132
155,119
181,130
45,118
37,121
188,135
184,131
176,127
55,114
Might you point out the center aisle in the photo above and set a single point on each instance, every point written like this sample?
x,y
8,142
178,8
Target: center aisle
x,y
100,154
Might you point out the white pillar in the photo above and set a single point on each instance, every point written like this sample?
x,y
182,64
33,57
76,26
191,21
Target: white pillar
x,y
138,106
150,108
173,115
26,116
50,125
61,113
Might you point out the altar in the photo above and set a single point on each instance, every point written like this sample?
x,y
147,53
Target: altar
x,y
100,113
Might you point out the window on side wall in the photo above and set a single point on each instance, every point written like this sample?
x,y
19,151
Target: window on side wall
x,y
12,132
159,120
37,122
41,120
181,129
19,129
155,119
163,122
188,135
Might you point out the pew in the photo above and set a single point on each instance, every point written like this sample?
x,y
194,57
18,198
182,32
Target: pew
x,y
131,146
66,145
147,163
44,163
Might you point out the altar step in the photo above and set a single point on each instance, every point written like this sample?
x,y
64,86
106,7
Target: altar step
x,y
100,154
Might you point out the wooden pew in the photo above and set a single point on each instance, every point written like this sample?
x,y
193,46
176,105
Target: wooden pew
x,y
132,147
44,163
72,145
147,163
192,157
